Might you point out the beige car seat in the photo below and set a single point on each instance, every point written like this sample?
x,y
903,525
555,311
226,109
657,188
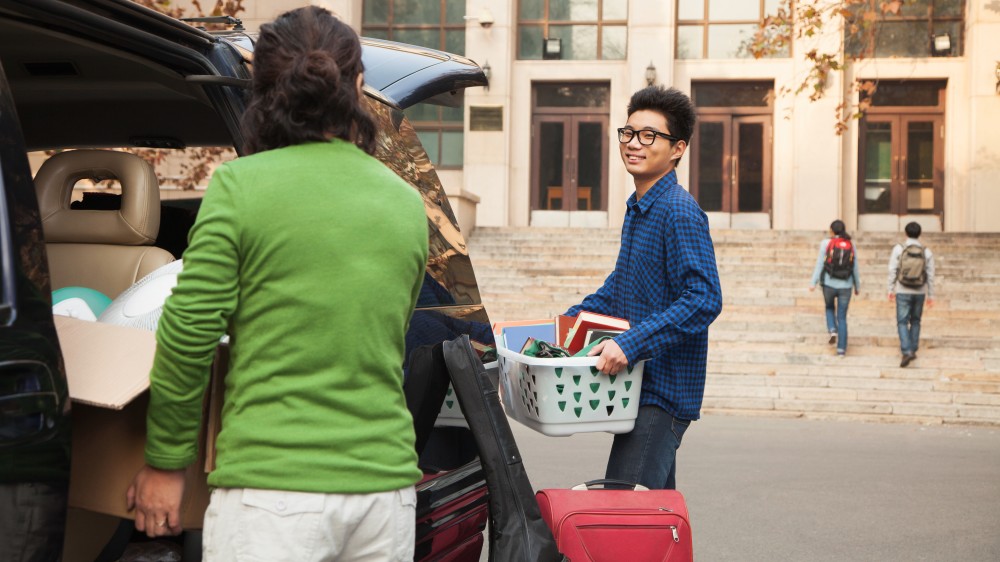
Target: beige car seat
x,y
103,250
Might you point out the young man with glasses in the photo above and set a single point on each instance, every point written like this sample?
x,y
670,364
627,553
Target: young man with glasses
x,y
665,283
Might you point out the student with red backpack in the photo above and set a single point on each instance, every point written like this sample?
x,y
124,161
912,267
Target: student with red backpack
x,y
837,270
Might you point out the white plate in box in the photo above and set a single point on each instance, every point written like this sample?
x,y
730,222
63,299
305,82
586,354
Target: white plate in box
x,y
451,413
563,396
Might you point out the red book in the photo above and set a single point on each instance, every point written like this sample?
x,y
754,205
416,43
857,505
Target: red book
x,y
586,321
563,325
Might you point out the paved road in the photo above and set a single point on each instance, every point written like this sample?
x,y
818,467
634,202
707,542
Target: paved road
x,y
773,489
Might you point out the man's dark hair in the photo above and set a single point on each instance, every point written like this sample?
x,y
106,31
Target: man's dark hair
x,y
912,229
305,69
672,104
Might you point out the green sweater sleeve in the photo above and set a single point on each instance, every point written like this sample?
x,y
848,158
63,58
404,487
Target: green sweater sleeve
x,y
194,318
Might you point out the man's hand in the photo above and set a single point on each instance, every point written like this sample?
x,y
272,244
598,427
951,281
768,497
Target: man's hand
x,y
892,297
156,497
930,302
812,288
612,359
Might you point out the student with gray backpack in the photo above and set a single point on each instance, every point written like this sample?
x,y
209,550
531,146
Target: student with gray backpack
x,y
837,271
911,283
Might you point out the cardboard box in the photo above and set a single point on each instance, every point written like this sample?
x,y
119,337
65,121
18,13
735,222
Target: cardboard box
x,y
107,367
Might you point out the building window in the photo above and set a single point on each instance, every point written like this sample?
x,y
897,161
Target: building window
x,y
580,29
720,29
922,28
436,25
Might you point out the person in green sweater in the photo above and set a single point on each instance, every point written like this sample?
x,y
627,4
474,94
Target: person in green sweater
x,y
310,254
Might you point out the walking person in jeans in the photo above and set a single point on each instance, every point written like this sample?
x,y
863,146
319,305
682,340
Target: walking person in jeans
x,y
665,283
911,281
837,271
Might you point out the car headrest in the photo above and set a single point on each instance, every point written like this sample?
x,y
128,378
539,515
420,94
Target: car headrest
x,y
135,224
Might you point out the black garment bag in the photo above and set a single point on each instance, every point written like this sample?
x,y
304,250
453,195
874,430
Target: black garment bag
x,y
517,531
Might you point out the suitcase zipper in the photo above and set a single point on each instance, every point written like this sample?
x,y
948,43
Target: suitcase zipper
x,y
673,528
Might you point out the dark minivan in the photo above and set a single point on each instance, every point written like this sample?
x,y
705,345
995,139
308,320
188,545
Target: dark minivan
x,y
106,75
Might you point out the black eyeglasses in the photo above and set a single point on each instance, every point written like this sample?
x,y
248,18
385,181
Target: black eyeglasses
x,y
646,137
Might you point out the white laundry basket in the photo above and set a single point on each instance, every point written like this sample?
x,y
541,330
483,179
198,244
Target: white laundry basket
x,y
563,396
451,413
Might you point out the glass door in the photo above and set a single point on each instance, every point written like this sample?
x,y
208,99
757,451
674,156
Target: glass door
x,y
710,173
569,162
731,163
751,164
901,168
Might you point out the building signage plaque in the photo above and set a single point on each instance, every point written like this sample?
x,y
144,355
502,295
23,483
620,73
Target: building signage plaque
x,y
486,118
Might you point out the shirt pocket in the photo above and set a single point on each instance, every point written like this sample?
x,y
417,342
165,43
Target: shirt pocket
x,y
649,284
283,503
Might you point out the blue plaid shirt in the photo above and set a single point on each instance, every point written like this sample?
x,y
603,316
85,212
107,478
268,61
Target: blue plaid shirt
x,y
666,284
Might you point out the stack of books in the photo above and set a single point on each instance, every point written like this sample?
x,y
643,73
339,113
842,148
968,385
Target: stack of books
x,y
571,333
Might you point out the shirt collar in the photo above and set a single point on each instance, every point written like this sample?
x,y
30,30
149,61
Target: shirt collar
x,y
659,188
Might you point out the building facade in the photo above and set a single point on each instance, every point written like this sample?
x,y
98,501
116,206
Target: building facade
x,y
538,147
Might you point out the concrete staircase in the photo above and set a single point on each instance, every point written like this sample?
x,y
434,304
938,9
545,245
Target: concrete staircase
x,y
768,350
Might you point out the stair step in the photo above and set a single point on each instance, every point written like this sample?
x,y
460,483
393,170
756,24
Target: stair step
x,y
768,350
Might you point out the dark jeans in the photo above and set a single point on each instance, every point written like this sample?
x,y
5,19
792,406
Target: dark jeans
x,y
909,308
837,321
648,454
32,520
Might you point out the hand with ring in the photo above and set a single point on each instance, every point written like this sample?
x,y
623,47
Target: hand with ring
x,y
156,495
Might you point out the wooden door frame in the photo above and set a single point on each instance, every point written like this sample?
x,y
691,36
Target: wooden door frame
x,y
766,164
536,134
571,145
937,130
725,120
730,156
897,119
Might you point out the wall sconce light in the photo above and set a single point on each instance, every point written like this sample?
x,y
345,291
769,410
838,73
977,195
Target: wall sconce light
x,y
552,48
650,74
488,72
941,45
996,72
485,18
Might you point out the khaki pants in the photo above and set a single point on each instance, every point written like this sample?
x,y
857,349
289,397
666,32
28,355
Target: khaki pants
x,y
244,524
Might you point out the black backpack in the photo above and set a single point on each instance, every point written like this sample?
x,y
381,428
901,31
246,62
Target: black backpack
x,y
912,272
839,262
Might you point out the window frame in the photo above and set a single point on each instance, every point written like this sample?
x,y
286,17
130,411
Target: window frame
x,y
438,126
545,22
870,45
704,23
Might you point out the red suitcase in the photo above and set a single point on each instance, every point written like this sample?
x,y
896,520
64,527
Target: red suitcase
x,y
600,525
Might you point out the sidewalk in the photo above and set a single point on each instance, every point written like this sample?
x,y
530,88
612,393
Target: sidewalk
x,y
775,489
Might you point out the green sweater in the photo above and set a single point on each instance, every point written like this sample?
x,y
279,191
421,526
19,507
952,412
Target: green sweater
x,y
311,258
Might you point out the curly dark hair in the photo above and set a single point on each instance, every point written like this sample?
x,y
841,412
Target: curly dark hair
x,y
305,70
673,104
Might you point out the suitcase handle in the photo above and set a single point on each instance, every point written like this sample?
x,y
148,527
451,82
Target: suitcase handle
x,y
590,485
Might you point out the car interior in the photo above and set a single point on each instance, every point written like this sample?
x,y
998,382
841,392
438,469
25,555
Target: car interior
x,y
107,250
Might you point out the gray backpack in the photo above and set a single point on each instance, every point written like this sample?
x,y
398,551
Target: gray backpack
x,y
912,267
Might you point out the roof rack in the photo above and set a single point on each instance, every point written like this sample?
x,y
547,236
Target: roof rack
x,y
226,20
